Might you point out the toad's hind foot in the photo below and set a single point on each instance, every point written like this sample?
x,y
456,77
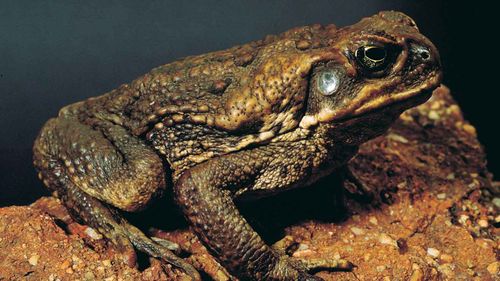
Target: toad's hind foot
x,y
123,235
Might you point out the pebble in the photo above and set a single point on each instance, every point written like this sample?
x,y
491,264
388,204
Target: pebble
x,y
433,115
89,276
398,138
386,239
441,196
92,233
303,253
483,223
493,268
446,270
65,264
446,258
463,219
34,260
496,201
417,274
433,252
469,129
373,220
357,231
380,268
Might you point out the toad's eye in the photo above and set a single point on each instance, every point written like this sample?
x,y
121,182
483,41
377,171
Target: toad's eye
x,y
372,58
328,82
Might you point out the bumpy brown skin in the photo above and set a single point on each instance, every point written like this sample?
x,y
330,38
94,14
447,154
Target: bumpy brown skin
x,y
247,121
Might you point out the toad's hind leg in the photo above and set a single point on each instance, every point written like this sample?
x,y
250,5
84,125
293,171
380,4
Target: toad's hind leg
x,y
96,166
112,225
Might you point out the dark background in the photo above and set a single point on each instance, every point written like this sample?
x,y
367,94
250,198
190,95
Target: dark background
x,y
58,52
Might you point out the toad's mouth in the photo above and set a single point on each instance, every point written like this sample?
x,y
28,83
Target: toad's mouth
x,y
370,100
396,107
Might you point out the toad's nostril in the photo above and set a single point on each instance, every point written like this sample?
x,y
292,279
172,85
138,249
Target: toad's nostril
x,y
425,55
422,53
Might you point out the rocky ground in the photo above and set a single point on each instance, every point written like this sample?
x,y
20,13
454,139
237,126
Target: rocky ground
x,y
432,214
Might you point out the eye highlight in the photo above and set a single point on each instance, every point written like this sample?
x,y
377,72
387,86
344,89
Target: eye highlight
x,y
372,57
328,82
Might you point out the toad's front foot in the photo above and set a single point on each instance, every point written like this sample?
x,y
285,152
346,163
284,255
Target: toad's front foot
x,y
311,265
288,269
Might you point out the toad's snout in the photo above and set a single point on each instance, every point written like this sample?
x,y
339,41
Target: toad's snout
x,y
423,52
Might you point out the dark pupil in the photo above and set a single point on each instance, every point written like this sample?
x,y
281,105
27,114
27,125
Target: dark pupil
x,y
375,53
372,58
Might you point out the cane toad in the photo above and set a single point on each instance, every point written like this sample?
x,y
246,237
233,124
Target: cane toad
x,y
249,121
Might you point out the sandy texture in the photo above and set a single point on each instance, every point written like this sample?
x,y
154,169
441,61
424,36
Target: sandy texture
x,y
432,215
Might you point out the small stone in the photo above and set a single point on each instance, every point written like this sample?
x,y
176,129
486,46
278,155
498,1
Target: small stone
x,y
92,233
463,219
496,201
441,196
482,223
433,252
357,231
303,251
450,176
401,185
386,239
417,274
446,258
469,129
493,268
381,268
433,115
89,276
446,270
65,264
396,137
106,263
34,260
373,220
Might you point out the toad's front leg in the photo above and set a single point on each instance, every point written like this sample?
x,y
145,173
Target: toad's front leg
x,y
205,194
